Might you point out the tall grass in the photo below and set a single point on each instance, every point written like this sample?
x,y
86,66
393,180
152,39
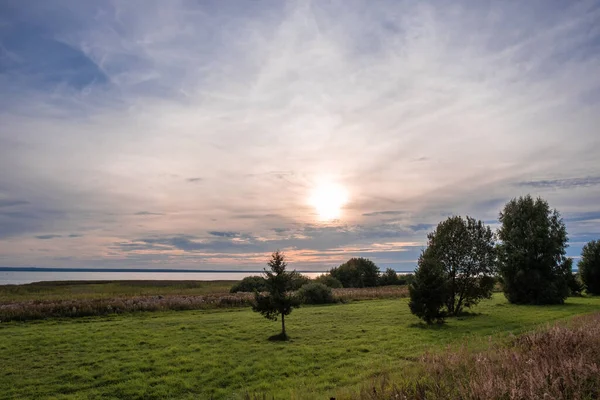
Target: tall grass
x,y
558,362
114,298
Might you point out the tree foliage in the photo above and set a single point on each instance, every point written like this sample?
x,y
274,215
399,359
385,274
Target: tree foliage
x,y
589,266
328,280
428,290
357,272
464,250
278,301
315,293
532,252
298,280
250,284
389,277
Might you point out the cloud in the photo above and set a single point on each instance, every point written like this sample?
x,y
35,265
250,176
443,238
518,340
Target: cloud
x,y
225,234
75,235
46,237
10,203
378,213
115,108
563,183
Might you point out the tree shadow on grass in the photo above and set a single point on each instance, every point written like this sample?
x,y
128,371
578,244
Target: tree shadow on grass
x,y
280,337
466,315
423,325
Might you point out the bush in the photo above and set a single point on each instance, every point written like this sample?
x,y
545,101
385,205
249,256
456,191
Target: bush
x,y
329,280
532,252
298,280
428,290
315,293
357,272
250,284
589,266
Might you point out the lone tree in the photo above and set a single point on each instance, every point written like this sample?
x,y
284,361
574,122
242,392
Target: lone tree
x,y
589,266
532,252
428,290
357,272
464,249
278,300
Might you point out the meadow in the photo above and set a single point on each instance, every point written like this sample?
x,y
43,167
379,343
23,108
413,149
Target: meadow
x,y
335,350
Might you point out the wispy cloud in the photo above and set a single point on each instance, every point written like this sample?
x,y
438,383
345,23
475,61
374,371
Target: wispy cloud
x,y
10,203
563,183
148,213
46,237
218,119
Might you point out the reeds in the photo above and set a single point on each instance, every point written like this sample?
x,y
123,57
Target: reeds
x,y
81,307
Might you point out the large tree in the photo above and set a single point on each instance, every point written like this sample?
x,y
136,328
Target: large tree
x,y
589,266
357,272
278,301
532,252
464,249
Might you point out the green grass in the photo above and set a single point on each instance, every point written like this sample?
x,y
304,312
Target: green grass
x,y
198,354
72,290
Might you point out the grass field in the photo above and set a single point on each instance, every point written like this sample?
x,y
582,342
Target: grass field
x,y
224,354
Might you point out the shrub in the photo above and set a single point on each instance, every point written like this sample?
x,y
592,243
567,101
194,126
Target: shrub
x,y
428,290
329,280
250,284
357,272
589,266
315,293
298,280
532,252
389,278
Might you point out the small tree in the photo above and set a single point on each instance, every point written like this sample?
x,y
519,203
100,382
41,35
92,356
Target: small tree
x,y
389,277
250,284
532,252
428,290
589,266
464,249
278,301
357,272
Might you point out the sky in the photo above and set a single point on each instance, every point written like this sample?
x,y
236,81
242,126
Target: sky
x,y
198,134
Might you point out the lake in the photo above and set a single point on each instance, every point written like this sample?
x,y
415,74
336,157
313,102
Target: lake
x,y
20,277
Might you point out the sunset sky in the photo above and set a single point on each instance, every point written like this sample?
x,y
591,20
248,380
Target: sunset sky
x,y
206,134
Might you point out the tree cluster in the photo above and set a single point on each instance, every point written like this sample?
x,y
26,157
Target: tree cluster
x,y
461,263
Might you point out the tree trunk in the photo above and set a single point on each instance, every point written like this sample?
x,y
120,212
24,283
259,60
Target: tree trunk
x,y
283,325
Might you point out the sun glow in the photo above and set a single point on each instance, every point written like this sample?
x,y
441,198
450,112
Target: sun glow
x,y
328,199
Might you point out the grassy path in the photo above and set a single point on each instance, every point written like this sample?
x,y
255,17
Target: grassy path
x,y
199,354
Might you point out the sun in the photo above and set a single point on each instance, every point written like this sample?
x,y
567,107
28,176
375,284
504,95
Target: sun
x,y
328,199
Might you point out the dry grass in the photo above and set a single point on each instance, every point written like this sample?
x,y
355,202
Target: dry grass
x,y
88,305
380,292
33,309
558,362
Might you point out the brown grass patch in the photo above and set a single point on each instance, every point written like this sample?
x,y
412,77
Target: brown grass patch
x,y
558,362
